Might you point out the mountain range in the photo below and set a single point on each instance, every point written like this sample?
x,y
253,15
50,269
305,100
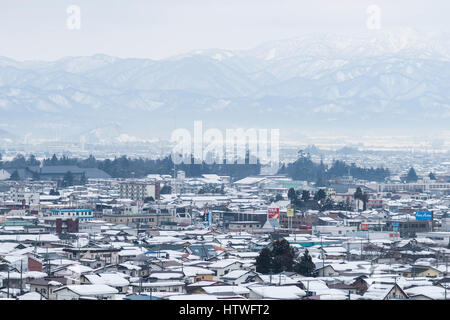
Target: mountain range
x,y
380,83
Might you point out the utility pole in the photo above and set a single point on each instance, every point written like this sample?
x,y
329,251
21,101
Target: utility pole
x,y
21,264
323,252
8,282
48,263
361,248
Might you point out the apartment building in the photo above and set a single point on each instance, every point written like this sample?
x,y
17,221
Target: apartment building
x,y
139,191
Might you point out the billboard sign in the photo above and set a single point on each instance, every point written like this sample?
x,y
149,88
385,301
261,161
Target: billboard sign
x,y
290,212
424,215
395,224
273,213
363,226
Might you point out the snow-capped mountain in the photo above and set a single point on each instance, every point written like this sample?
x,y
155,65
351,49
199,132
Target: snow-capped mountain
x,y
380,81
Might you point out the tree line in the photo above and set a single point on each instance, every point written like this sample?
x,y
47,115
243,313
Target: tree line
x,y
126,167
306,170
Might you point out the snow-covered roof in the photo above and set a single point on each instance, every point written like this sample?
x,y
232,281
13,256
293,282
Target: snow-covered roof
x,y
90,289
278,292
226,289
111,279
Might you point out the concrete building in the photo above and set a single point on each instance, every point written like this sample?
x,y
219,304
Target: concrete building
x,y
139,191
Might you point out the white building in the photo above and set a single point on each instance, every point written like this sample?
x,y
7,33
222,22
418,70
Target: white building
x,y
138,191
88,291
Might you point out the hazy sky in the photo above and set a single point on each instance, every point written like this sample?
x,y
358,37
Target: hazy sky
x,y
32,30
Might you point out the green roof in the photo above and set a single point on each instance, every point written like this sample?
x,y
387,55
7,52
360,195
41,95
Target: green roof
x,y
17,223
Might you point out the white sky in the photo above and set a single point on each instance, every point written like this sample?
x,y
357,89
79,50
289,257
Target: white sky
x,y
37,30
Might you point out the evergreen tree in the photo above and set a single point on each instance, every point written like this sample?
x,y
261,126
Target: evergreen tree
x,y
14,176
365,199
32,161
358,195
411,176
67,179
280,258
320,195
327,205
305,195
83,179
305,266
283,256
432,176
278,197
54,193
264,261
292,195
54,160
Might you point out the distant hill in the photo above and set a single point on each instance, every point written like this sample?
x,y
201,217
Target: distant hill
x,y
377,83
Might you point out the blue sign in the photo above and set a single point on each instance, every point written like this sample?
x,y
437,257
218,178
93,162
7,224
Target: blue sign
x,y
395,224
424,215
395,228
207,217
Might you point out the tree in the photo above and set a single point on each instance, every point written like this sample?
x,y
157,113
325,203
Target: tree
x,y
278,197
280,258
292,195
320,181
305,266
264,261
320,195
14,176
54,160
283,256
432,176
328,204
364,197
358,193
67,179
32,161
411,176
306,195
54,193
83,179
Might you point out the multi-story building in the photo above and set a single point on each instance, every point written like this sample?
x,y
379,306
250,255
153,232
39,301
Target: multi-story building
x,y
133,215
420,186
30,198
72,214
139,191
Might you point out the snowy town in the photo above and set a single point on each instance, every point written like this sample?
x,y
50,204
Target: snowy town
x,y
166,237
